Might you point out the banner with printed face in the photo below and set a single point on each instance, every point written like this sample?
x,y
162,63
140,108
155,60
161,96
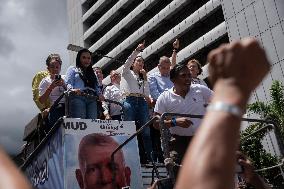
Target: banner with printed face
x,y
45,169
88,148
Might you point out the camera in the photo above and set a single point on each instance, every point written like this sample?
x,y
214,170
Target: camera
x,y
57,77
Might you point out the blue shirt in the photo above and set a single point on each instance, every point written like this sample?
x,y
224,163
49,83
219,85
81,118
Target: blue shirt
x,y
158,84
74,81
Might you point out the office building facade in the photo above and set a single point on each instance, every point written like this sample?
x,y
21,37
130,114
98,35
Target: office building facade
x,y
115,27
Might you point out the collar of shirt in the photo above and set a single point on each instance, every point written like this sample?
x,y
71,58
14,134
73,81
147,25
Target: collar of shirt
x,y
165,75
116,85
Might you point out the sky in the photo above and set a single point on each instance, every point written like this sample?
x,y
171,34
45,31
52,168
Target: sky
x,y
29,31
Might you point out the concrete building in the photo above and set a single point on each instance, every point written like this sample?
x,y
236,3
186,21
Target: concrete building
x,y
115,27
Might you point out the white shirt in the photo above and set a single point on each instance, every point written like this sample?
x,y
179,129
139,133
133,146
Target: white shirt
x,y
198,81
129,80
194,103
55,93
112,93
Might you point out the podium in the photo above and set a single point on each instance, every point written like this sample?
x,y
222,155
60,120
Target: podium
x,y
55,161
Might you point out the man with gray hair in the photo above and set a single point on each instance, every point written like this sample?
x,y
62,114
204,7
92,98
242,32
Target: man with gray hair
x,y
160,81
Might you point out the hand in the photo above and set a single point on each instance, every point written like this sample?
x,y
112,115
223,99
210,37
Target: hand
x,y
183,122
144,73
44,113
141,46
153,102
154,186
56,83
77,91
176,44
149,101
242,64
249,173
101,98
107,117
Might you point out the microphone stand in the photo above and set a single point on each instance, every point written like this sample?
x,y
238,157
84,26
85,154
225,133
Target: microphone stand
x,y
126,142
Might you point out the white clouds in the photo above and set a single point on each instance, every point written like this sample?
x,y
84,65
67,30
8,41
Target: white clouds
x,y
29,31
15,8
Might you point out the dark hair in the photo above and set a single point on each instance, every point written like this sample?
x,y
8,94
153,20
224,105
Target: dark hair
x,y
53,56
96,67
176,70
87,74
198,65
131,68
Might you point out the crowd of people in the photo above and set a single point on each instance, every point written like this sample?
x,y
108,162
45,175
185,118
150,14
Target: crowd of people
x,y
174,88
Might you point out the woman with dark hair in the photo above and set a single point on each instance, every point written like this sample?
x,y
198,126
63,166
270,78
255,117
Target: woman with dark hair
x,y
135,87
82,80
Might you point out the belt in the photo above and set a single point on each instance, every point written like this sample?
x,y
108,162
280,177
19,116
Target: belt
x,y
135,95
88,91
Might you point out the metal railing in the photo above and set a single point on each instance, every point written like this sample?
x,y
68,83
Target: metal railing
x,y
27,157
70,93
126,142
166,137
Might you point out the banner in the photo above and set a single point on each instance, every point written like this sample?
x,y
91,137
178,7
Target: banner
x,y
46,168
88,145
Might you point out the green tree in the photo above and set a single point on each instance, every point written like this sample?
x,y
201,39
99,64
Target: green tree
x,y
252,146
274,109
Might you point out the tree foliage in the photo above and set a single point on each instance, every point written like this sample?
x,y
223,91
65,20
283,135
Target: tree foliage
x,y
252,146
274,109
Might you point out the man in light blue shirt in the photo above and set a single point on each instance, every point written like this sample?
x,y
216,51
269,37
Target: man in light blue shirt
x,y
160,81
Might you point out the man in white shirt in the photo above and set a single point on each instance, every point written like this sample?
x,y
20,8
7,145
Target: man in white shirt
x,y
211,159
183,98
111,110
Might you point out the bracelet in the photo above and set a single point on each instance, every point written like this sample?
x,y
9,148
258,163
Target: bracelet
x,y
174,122
225,107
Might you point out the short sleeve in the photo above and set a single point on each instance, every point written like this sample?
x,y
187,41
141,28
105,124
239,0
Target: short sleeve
x,y
160,106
